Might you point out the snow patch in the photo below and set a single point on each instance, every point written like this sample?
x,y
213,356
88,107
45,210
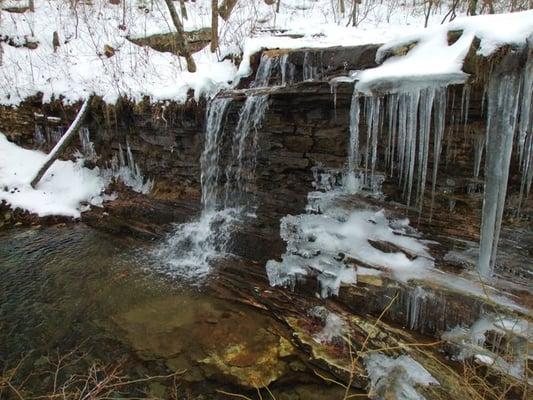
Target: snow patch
x,y
64,189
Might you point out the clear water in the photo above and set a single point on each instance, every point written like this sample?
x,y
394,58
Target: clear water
x,y
67,287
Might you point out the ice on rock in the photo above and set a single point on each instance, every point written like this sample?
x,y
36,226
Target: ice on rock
x,y
396,376
334,327
124,169
87,146
507,351
328,246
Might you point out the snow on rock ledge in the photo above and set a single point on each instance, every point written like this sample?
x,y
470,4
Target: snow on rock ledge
x,y
429,57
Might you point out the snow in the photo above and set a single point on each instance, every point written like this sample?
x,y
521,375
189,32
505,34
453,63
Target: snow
x,y
432,59
63,190
79,66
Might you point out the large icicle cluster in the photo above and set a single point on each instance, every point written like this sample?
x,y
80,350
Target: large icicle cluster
x,y
409,116
126,170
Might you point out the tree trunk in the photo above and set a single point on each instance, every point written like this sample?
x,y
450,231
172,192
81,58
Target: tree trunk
x,y
63,142
226,8
183,9
31,5
342,9
183,46
472,7
214,25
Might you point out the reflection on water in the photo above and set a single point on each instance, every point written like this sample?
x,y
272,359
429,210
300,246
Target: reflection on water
x,y
65,287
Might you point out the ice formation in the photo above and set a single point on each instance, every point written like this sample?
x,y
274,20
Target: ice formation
x,y
333,244
500,342
396,376
409,117
501,125
123,168
334,327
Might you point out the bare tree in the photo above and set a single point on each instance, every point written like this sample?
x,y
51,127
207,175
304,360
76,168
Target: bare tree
x,y
182,44
226,8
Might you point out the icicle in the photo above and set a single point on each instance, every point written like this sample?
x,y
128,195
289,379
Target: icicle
x,y
402,132
333,90
426,105
465,106
479,145
525,133
501,124
87,147
351,183
309,70
439,125
38,136
392,113
373,129
412,114
209,161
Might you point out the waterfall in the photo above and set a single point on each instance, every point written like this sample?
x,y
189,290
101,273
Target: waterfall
x,y
244,149
189,250
264,71
272,65
210,159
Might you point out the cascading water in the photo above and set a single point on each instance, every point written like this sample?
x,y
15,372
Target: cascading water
x,y
187,253
240,173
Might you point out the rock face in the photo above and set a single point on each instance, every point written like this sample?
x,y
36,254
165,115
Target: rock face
x,y
166,42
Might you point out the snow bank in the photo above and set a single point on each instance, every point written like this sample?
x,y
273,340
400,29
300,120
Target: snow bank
x,y
79,66
432,59
62,191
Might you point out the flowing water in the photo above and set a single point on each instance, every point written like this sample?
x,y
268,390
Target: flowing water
x,y
77,288
191,249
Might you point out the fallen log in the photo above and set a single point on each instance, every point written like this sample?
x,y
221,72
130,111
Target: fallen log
x,y
63,142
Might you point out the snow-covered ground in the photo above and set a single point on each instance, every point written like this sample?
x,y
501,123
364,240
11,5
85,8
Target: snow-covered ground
x,y
65,188
79,66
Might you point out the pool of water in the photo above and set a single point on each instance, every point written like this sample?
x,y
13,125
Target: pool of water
x,y
80,293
